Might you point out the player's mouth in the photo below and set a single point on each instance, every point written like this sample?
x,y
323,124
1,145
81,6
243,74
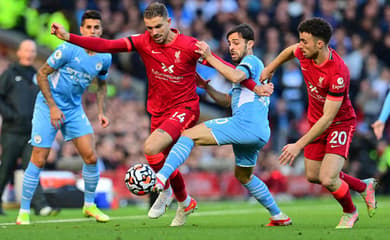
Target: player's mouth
x,y
158,38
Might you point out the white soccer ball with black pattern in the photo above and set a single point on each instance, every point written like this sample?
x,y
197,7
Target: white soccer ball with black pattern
x,y
140,179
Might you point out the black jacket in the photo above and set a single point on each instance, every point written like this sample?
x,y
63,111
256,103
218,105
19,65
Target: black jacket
x,y
17,98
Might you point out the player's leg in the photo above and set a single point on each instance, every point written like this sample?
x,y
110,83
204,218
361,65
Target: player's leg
x,y
85,147
246,157
42,136
329,177
11,150
38,202
165,131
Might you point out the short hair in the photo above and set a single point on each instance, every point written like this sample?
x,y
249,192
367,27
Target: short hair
x,y
318,27
90,14
156,9
244,30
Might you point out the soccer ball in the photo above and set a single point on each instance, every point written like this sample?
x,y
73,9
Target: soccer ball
x,y
140,179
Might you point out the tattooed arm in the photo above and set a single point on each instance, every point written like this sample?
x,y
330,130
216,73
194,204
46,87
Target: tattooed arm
x,y
101,95
56,115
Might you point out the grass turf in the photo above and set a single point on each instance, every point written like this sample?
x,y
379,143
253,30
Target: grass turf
x,y
312,219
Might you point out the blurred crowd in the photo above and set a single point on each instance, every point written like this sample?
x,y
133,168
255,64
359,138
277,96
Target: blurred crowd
x,y
361,36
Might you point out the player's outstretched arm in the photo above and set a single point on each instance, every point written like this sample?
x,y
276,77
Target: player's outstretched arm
x,y
379,125
57,117
284,56
92,43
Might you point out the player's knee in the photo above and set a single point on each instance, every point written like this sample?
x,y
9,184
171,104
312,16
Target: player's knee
x,y
242,178
312,179
90,158
328,182
150,148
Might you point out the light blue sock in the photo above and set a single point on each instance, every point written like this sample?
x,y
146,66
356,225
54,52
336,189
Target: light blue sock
x,y
30,183
259,190
177,156
91,179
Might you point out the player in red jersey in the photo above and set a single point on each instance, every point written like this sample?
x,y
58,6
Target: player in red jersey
x,y
170,62
331,117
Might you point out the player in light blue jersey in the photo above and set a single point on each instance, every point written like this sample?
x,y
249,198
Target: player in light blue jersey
x,y
247,130
379,125
62,80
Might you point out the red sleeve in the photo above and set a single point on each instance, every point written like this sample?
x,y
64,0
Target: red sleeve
x,y
204,62
249,83
101,44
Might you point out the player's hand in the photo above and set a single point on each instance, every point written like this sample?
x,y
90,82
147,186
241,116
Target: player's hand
x,y
200,82
57,117
264,90
266,74
103,120
378,127
203,49
289,153
59,31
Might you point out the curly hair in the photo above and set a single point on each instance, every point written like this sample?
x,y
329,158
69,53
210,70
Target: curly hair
x,y
317,27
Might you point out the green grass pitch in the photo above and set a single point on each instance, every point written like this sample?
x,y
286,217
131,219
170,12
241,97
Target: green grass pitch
x,y
312,219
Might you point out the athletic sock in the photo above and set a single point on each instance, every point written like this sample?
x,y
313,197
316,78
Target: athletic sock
x,y
343,196
178,186
30,183
354,183
177,156
260,191
91,179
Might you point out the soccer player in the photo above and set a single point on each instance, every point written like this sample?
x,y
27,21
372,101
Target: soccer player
x,y
170,60
62,80
379,125
331,117
247,130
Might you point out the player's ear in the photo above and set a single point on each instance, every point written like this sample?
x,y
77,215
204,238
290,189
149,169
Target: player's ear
x,y
320,44
251,43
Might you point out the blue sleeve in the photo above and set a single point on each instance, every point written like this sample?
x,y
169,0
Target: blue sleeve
x,y
60,56
103,74
385,109
251,67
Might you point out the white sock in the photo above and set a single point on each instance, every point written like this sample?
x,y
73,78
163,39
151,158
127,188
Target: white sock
x,y
161,177
186,202
88,204
24,211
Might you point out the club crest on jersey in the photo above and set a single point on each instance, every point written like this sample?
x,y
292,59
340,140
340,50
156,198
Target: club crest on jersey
x,y
37,139
177,56
320,80
58,54
99,66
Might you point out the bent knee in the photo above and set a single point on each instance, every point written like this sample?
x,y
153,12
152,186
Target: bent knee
x,y
313,179
90,158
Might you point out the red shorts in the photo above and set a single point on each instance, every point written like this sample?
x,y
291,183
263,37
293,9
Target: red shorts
x,y
336,139
176,121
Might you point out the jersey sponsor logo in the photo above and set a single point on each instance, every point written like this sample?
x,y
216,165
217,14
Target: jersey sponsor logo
x,y
37,139
167,77
168,69
18,78
312,88
177,56
58,54
155,52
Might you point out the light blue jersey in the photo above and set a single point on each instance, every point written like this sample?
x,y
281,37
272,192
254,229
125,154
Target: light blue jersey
x,y
248,129
75,70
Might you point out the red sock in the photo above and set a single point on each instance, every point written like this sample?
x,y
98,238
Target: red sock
x,y
343,196
178,186
353,183
156,162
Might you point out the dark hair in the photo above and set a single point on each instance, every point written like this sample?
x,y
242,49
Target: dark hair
x,y
244,30
91,14
317,27
156,9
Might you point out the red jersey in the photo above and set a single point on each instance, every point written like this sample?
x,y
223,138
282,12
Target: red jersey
x,y
170,69
330,79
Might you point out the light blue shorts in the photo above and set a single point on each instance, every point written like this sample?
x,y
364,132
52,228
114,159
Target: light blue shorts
x,y
246,144
76,124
